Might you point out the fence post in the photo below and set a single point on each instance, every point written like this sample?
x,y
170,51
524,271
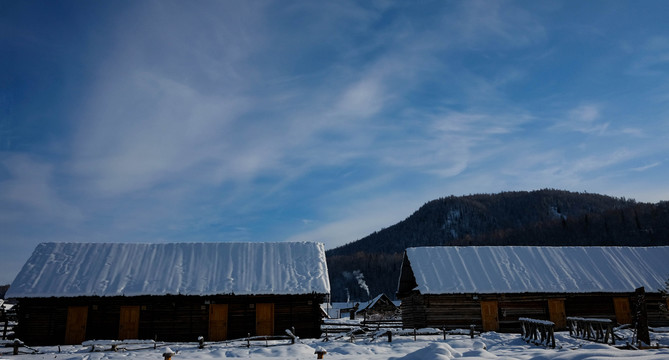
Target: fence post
x,y
641,316
390,335
17,344
168,354
5,319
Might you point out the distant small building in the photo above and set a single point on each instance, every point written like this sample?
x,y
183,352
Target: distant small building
x,y
71,292
491,287
381,307
336,310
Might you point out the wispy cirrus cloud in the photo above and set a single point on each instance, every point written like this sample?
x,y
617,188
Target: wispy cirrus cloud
x,y
652,56
148,128
647,167
28,192
481,24
166,121
583,119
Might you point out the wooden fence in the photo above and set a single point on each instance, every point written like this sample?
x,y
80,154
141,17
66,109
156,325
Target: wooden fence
x,y
7,323
382,324
599,330
540,332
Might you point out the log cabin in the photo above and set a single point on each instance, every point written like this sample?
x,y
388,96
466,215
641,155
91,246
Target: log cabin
x,y
71,292
492,287
379,308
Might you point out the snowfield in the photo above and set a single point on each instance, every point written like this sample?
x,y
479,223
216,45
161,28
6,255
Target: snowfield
x,y
489,345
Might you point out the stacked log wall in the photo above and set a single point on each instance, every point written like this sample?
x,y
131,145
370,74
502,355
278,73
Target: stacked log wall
x,y
42,321
656,307
511,308
592,305
413,311
437,311
458,311
463,310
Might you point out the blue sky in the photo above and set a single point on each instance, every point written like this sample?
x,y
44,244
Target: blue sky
x,y
163,121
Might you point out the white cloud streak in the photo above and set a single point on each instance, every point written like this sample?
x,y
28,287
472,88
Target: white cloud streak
x,y
239,121
28,193
584,119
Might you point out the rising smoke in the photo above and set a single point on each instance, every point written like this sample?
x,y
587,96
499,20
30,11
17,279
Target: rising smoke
x,y
359,277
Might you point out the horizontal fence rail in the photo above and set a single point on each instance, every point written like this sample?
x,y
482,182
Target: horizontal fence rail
x,y
598,330
540,332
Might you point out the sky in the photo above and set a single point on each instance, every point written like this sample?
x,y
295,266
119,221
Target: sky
x,y
199,121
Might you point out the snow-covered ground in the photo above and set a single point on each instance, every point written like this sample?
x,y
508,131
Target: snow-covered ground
x,y
488,346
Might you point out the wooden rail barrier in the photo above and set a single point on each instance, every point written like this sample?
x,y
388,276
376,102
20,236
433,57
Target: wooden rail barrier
x,y
7,323
540,332
598,330
16,344
379,324
114,344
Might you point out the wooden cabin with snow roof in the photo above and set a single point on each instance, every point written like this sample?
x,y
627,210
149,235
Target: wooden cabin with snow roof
x,y
491,287
71,292
379,308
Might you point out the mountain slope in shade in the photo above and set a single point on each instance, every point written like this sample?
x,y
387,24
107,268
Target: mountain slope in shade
x,y
544,217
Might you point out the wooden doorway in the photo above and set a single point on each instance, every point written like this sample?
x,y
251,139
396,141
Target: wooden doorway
x,y
128,325
218,322
489,315
264,319
556,313
75,329
623,310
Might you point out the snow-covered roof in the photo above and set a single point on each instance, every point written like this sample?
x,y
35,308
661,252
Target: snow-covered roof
x,y
370,304
528,269
115,269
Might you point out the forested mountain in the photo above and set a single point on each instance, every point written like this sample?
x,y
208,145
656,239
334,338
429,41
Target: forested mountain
x,y
542,218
